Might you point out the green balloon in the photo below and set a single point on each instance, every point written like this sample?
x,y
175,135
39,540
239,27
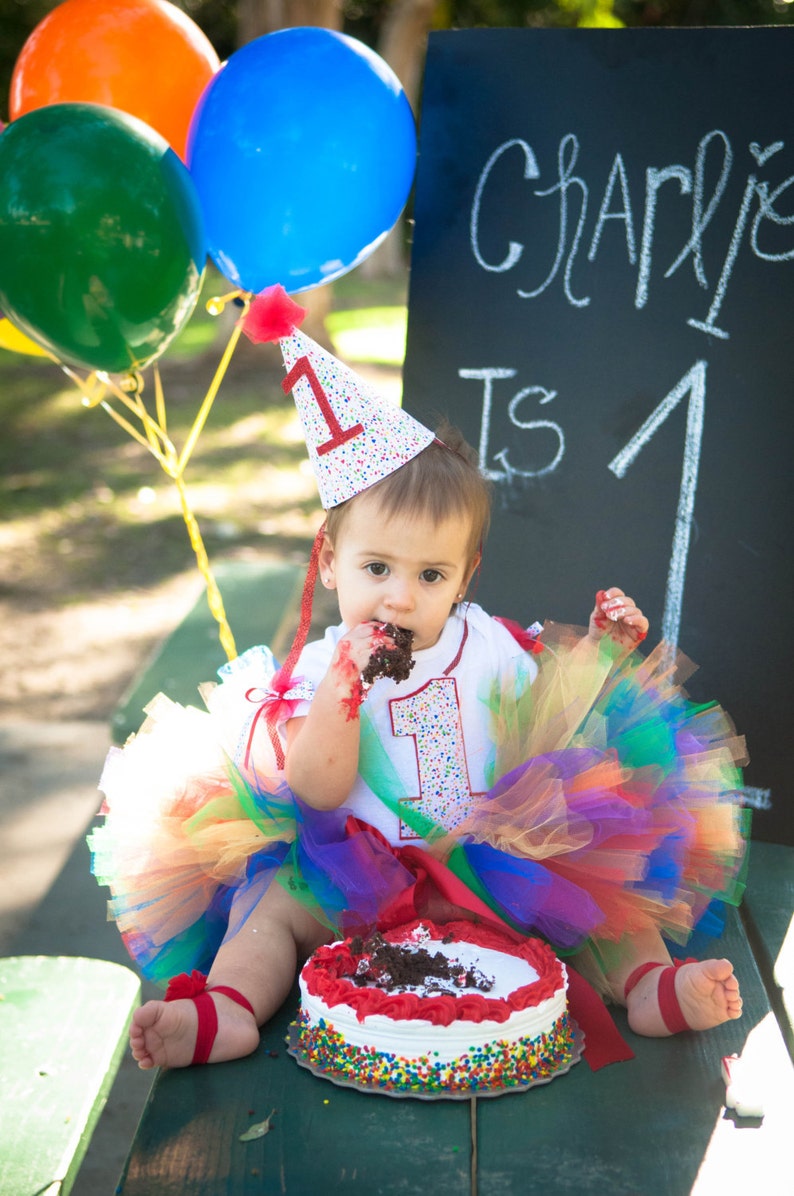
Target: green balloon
x,y
102,246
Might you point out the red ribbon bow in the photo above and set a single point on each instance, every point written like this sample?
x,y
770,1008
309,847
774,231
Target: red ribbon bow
x,y
185,985
275,707
524,636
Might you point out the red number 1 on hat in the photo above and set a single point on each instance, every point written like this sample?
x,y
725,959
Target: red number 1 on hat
x,y
339,435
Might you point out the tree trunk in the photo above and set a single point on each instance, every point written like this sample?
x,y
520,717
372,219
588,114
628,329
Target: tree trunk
x,y
258,17
402,44
403,41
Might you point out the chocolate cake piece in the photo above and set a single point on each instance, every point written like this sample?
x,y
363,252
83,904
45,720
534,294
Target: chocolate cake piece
x,y
395,662
394,967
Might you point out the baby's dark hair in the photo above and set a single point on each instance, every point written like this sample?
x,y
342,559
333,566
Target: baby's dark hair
x,y
441,481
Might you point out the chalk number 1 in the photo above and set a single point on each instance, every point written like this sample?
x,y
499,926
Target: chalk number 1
x,y
693,384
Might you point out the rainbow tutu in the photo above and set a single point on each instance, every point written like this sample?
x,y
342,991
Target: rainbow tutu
x,y
614,806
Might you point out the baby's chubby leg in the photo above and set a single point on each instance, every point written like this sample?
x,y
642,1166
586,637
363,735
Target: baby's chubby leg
x,y
258,958
706,991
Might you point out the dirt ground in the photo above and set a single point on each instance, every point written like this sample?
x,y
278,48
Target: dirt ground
x,y
71,660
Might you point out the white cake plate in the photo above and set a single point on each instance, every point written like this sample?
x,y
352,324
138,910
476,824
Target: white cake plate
x,y
577,1047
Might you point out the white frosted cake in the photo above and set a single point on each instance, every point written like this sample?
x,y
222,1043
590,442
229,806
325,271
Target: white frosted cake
x,y
434,1010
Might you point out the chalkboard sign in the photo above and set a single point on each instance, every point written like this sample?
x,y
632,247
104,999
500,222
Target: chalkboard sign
x,y
602,290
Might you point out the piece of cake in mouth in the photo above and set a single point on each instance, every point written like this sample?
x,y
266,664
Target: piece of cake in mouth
x,y
425,1010
387,661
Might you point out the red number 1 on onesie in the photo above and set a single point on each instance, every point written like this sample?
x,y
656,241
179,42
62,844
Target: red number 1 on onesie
x,y
432,717
339,435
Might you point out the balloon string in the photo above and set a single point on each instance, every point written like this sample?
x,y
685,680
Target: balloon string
x,y
91,388
155,438
94,397
209,398
216,305
159,398
152,430
170,466
155,435
136,435
213,593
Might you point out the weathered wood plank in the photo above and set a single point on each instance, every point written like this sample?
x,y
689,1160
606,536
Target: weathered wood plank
x,y
323,1138
769,920
63,1031
656,1125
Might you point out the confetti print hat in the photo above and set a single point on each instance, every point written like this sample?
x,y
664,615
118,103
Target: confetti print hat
x,y
354,437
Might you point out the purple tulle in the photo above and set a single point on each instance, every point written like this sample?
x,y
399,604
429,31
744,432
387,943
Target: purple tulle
x,y
532,898
351,877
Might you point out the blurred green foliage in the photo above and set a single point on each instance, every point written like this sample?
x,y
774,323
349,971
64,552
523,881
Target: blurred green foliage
x,y
364,18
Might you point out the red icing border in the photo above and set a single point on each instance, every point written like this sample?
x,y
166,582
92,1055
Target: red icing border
x,y
326,976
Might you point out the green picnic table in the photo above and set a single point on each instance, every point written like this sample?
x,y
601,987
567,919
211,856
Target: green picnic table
x,y
64,1026
654,1126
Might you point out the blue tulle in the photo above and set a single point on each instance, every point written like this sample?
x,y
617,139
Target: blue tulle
x,y
532,898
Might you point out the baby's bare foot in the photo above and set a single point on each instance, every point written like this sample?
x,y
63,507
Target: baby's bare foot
x,y
163,1033
707,992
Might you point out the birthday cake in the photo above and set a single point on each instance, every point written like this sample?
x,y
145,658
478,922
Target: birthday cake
x,y
431,1010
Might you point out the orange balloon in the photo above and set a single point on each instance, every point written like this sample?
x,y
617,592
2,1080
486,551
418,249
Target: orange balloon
x,y
146,57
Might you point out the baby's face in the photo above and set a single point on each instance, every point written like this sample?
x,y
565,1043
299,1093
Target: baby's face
x,y
407,571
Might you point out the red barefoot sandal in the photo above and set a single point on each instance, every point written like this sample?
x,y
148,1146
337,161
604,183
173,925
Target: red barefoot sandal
x,y
194,988
669,1007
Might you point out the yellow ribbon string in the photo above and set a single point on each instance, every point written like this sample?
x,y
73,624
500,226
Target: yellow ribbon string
x,y
91,388
153,431
96,390
159,398
135,434
213,593
135,405
214,386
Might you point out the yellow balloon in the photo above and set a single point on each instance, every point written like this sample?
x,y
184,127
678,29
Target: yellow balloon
x,y
11,338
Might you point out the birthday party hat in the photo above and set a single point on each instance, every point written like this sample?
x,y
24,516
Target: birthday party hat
x,y
354,437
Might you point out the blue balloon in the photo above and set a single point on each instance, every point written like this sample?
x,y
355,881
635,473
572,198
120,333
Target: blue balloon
x,y
302,149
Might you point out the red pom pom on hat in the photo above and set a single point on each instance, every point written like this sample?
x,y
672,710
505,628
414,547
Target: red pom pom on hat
x,y
272,315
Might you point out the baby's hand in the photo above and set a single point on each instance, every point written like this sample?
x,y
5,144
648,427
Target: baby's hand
x,y
349,661
617,615
354,650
